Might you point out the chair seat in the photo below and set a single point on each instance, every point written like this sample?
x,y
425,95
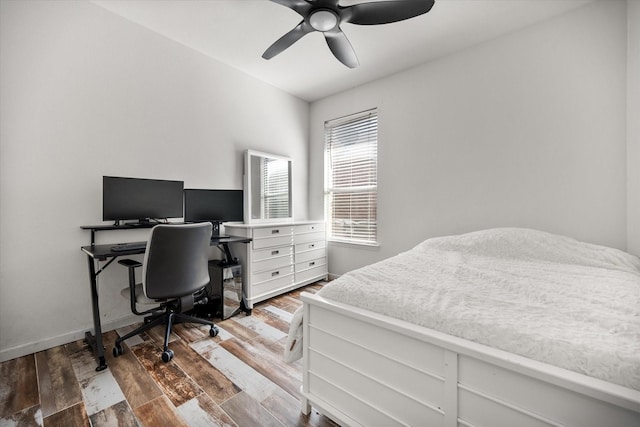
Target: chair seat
x,y
141,298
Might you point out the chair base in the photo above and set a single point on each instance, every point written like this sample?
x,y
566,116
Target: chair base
x,y
169,318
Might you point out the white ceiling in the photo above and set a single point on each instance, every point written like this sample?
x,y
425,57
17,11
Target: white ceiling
x,y
237,32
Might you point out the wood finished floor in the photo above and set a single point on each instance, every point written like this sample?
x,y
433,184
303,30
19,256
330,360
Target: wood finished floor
x,y
235,379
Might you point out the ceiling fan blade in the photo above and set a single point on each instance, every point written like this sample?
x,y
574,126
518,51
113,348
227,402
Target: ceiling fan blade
x,y
385,12
341,48
301,6
287,40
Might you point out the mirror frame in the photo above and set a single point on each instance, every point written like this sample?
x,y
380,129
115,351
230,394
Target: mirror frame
x,y
249,154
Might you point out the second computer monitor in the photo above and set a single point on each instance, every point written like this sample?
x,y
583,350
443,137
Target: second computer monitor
x,y
215,206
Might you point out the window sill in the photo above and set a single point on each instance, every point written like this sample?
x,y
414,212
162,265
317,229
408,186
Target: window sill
x,y
333,241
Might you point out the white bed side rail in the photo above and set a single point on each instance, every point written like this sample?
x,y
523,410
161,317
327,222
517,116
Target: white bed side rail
x,y
362,368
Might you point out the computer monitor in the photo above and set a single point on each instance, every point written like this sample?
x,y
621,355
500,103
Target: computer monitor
x,y
215,206
140,199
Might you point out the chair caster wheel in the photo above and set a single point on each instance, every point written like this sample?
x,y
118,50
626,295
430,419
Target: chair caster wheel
x,y
213,331
167,355
118,350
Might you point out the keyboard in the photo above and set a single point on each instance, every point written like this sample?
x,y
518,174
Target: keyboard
x,y
121,247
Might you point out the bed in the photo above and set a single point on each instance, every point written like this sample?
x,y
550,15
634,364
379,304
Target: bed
x,y
500,327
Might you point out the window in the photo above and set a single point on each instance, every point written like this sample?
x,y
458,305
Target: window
x,y
351,163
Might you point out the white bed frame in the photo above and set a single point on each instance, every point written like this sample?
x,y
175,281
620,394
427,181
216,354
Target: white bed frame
x,y
364,369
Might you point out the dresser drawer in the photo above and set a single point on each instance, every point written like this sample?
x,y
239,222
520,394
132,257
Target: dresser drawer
x,y
309,228
310,255
271,263
272,242
309,237
303,247
259,233
312,263
271,274
262,254
272,285
315,273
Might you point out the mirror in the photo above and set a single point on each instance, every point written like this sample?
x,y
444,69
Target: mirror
x,y
267,184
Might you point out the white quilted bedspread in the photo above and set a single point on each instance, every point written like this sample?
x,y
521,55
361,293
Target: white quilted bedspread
x,y
547,297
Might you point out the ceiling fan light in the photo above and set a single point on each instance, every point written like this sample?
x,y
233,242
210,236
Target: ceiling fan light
x,y
323,20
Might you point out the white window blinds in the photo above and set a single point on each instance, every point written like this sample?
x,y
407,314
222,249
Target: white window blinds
x,y
275,188
351,179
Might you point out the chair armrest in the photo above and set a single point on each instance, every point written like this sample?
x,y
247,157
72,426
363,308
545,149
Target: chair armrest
x,y
130,263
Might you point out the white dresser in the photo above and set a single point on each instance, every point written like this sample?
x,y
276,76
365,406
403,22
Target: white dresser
x,y
280,257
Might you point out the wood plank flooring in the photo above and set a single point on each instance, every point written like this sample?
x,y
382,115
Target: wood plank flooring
x,y
235,379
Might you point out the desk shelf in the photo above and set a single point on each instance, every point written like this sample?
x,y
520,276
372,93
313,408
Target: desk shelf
x,y
125,226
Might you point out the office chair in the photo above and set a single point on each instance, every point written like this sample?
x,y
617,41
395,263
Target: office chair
x,y
175,267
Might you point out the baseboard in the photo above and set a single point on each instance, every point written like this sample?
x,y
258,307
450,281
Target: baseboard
x,y
332,276
34,347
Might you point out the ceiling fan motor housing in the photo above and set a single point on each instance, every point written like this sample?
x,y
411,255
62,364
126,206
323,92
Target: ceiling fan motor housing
x,y
323,19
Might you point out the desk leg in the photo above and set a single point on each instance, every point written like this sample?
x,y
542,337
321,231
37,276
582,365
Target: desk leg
x,y
95,341
227,253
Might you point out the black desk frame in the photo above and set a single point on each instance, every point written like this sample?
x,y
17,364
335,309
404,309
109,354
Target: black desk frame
x,y
103,253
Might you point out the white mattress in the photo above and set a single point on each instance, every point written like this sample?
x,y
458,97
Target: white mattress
x,y
546,297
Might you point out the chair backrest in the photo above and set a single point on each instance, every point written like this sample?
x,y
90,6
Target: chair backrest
x,y
176,260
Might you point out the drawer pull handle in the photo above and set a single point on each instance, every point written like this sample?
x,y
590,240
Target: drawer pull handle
x,y
275,273
312,245
275,252
312,263
275,231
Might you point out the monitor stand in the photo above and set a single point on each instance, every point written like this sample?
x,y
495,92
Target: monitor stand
x,y
215,231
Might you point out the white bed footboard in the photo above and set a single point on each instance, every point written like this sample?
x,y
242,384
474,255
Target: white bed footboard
x,y
361,368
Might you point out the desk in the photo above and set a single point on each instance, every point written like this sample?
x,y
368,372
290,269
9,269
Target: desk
x,y
104,253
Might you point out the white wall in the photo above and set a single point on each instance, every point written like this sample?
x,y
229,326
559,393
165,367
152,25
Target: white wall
x,y
525,130
633,126
85,93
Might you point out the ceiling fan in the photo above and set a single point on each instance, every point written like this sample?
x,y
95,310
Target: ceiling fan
x,y
326,16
